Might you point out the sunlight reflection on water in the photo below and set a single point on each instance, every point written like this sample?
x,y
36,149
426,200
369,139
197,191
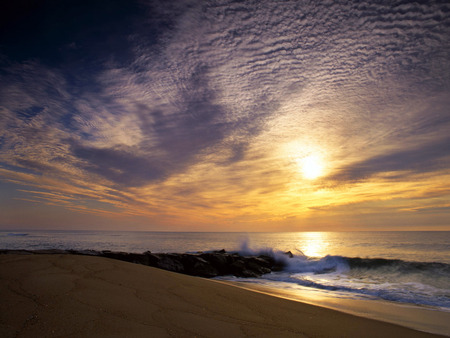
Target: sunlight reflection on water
x,y
313,244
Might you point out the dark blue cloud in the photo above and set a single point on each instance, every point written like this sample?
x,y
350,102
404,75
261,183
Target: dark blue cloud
x,y
173,139
30,112
119,166
420,159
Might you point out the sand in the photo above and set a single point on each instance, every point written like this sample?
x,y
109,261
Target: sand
x,y
85,296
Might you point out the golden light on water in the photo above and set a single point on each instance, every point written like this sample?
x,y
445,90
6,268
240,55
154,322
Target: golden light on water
x,y
313,244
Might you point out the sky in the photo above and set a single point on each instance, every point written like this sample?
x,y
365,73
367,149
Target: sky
x,y
225,115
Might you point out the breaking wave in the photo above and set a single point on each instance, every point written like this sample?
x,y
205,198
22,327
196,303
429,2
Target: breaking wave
x,y
421,283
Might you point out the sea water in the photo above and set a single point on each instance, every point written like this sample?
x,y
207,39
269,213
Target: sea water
x,y
403,268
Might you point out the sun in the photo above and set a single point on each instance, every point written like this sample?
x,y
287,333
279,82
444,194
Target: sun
x,y
311,166
308,160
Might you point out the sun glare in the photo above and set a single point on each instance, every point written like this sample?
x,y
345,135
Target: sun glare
x,y
311,167
307,159
313,244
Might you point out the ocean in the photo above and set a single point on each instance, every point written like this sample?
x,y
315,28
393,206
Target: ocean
x,y
406,269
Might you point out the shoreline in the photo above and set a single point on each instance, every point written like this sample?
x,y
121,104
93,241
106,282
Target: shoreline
x,y
421,318
74,295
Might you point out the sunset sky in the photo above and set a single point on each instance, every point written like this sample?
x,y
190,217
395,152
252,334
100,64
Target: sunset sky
x,y
225,115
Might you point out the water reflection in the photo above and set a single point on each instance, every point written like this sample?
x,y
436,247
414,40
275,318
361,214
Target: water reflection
x,y
313,244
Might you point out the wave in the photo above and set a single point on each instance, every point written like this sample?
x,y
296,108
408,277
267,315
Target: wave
x,y
16,234
422,283
397,264
331,263
411,292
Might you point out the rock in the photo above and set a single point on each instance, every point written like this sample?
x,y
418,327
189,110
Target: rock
x,y
219,261
198,266
16,252
210,264
170,262
258,265
220,251
249,274
51,251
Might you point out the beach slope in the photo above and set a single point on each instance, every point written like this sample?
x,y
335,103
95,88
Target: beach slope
x,y
86,296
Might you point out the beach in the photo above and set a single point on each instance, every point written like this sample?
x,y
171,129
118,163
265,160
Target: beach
x,y
86,296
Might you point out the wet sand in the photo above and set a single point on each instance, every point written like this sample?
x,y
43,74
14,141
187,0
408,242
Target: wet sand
x,y
86,296
421,318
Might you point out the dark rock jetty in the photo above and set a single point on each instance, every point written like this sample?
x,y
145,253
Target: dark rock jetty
x,y
203,264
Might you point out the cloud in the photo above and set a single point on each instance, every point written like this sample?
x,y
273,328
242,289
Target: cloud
x,y
425,158
219,87
170,136
118,166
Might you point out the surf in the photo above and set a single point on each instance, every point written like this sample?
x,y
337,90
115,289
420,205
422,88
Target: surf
x,y
419,283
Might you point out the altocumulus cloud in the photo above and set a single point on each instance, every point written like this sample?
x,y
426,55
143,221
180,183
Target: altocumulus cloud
x,y
139,92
